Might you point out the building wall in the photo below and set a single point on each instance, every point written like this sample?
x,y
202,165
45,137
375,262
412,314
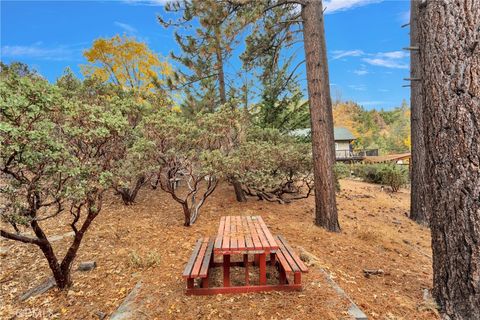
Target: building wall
x,y
342,149
342,145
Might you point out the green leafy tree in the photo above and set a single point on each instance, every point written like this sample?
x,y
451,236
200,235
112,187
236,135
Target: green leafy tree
x,y
179,154
55,158
270,166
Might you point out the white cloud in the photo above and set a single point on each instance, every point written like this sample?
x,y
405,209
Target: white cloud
x,y
392,54
387,63
358,87
361,71
389,59
125,26
337,54
332,6
37,51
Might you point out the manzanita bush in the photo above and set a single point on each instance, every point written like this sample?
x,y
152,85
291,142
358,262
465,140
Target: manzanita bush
x,y
56,159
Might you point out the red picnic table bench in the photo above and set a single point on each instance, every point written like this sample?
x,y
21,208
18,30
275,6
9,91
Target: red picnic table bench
x,y
243,235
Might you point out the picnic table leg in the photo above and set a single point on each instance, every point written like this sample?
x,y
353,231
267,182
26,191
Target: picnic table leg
x,y
226,270
245,264
283,276
297,278
190,283
204,283
256,259
263,268
272,258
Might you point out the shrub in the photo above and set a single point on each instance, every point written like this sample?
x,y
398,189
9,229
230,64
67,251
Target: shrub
x,y
56,157
394,176
342,170
391,175
271,166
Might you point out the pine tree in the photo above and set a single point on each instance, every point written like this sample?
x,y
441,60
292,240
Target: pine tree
x,y
310,18
204,53
450,67
282,104
206,32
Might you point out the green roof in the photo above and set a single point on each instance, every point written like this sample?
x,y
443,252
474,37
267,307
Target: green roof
x,y
342,134
339,133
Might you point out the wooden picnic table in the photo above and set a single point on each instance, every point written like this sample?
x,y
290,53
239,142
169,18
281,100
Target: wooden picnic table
x,y
244,235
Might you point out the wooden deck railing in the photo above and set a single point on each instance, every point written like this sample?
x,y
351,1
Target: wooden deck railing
x,y
349,154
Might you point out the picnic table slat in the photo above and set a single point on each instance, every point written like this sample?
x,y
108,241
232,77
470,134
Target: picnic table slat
x,y
221,229
206,260
247,239
233,233
295,257
241,233
283,261
191,261
268,234
287,256
256,240
263,240
226,239
198,262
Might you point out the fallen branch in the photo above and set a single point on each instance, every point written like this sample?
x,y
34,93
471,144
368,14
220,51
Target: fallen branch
x,y
374,272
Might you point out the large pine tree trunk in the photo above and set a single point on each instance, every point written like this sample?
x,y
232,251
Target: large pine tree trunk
x,y
221,73
449,38
418,210
321,115
239,194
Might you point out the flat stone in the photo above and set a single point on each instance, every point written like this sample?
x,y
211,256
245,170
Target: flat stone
x,y
87,266
3,251
353,310
129,309
41,288
356,313
61,236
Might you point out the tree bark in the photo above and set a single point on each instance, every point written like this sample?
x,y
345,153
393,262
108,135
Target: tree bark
x,y
321,115
130,194
418,210
239,193
450,62
223,99
221,73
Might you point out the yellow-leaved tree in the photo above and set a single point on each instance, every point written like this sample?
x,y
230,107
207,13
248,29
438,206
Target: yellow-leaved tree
x,y
126,62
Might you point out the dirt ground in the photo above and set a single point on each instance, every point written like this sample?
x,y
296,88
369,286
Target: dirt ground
x,y
147,242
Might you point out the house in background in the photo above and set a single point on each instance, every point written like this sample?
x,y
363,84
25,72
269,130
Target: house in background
x,y
344,140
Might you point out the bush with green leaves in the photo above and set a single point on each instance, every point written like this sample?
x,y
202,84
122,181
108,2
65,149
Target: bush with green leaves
x,y
56,158
183,153
342,170
131,171
271,166
394,176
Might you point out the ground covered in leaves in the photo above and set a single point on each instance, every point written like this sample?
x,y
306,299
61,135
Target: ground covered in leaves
x,y
146,242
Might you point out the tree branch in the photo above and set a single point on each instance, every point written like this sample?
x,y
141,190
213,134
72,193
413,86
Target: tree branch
x,y
18,237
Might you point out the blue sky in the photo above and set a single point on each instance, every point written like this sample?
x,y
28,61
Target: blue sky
x,y
364,40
